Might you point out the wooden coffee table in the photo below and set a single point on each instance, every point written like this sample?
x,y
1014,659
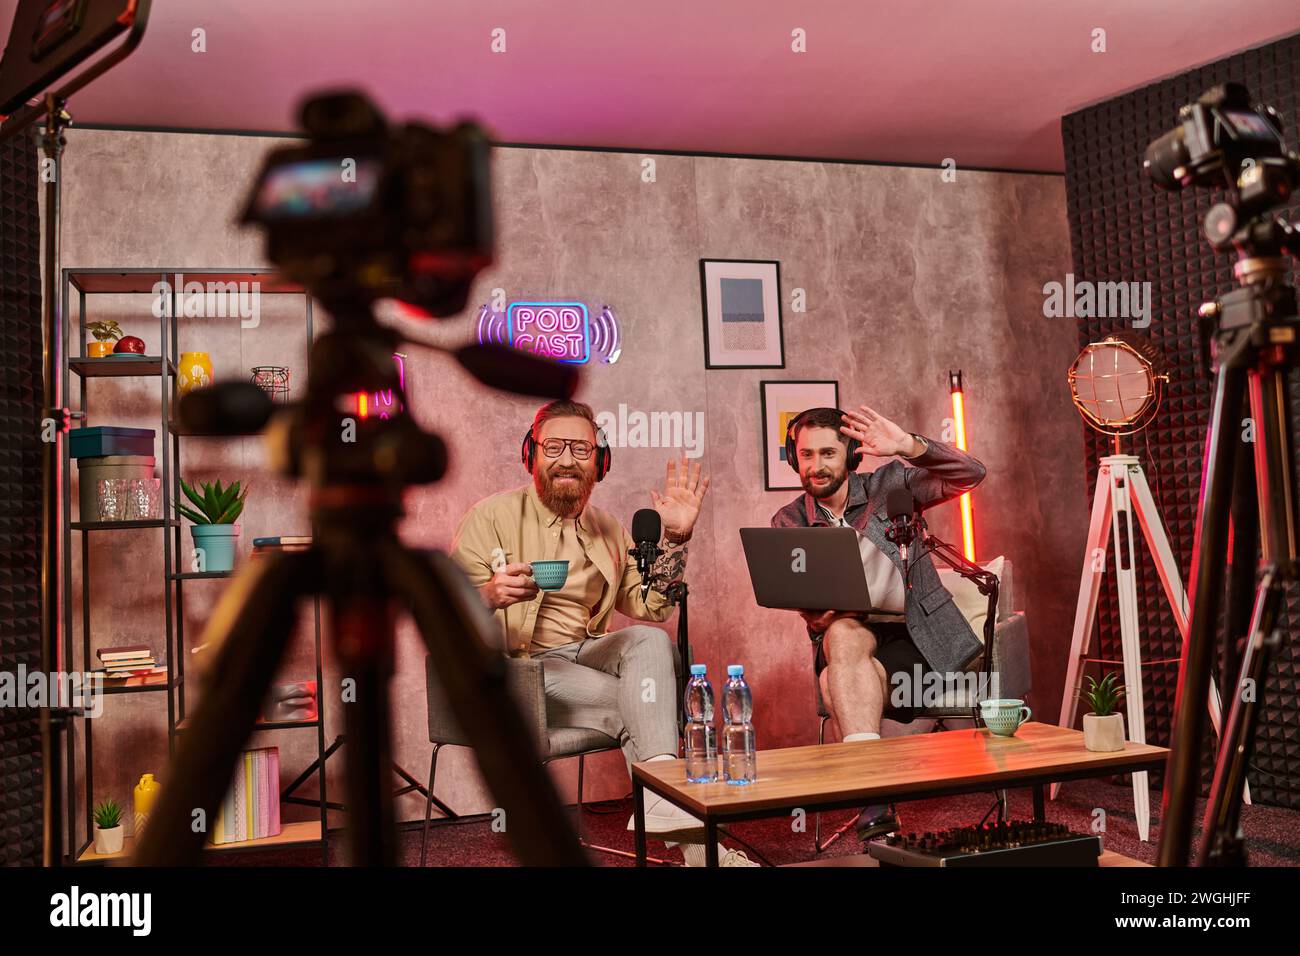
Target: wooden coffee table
x,y
838,776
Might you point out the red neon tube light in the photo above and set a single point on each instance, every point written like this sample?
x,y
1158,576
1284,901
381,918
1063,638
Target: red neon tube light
x,y
959,419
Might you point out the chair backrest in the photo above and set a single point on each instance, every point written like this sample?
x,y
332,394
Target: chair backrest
x,y
524,681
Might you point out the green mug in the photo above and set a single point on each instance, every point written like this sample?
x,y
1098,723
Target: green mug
x,y
1004,716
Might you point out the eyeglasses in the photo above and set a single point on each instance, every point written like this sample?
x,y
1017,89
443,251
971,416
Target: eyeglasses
x,y
554,448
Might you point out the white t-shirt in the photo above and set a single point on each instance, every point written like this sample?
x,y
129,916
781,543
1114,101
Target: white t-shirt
x,y
884,582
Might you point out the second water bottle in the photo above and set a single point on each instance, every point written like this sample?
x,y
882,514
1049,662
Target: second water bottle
x,y
739,760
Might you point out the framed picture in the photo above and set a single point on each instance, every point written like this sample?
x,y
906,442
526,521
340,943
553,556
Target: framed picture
x,y
782,401
741,299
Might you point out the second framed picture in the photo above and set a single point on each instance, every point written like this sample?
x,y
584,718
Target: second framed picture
x,y
742,313
781,402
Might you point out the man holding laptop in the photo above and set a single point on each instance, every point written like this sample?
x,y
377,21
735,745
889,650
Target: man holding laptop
x,y
905,624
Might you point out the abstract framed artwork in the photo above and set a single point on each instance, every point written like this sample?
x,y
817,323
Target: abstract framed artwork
x,y
741,300
780,402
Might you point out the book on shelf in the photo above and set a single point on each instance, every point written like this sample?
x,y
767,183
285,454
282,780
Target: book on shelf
x,y
251,807
136,678
128,666
280,543
111,655
282,540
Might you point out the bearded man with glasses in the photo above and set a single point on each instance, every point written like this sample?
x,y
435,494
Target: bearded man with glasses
x,y
594,678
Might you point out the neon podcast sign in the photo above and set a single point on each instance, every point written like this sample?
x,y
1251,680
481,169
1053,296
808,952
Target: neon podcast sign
x,y
557,330
563,331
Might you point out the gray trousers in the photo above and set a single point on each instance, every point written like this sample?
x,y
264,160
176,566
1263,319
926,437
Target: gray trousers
x,y
622,684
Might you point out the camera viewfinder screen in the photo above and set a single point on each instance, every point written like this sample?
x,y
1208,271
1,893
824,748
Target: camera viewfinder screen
x,y
1251,125
318,189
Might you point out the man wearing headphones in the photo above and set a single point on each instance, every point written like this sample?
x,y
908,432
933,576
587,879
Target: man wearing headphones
x,y
593,678
913,624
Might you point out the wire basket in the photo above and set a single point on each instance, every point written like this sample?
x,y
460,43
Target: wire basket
x,y
274,380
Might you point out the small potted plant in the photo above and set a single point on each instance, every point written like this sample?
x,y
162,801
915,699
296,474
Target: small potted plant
x,y
1103,729
108,827
106,335
214,529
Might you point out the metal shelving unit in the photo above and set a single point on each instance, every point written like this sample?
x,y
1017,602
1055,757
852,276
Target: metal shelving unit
x,y
86,282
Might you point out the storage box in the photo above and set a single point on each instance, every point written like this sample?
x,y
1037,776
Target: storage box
x,y
91,470
106,440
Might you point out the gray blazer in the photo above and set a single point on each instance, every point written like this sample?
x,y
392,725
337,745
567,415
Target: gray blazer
x,y
940,473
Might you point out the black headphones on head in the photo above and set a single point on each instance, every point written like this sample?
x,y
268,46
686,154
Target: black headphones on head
x,y
528,452
853,453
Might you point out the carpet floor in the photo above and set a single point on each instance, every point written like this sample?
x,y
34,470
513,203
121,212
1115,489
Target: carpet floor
x,y
1272,833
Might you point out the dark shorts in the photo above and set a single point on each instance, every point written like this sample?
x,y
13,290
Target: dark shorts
x,y
896,653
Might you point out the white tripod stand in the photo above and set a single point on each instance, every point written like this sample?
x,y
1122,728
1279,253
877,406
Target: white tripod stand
x,y
1122,490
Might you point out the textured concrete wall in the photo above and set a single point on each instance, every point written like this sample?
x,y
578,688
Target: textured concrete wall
x,y
906,277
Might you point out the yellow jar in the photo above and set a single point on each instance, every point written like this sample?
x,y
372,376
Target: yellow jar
x,y
195,371
146,794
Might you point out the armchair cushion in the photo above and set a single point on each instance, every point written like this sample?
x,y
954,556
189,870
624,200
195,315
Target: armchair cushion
x,y
974,606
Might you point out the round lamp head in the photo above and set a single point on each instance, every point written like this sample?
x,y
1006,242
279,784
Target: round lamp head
x,y
1117,383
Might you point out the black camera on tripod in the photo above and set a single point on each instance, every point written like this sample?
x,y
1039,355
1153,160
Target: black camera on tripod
x,y
1224,140
366,210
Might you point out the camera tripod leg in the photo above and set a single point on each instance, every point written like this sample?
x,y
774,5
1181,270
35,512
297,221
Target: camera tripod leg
x,y
1242,575
250,628
1209,551
1270,409
456,627
363,627
1222,845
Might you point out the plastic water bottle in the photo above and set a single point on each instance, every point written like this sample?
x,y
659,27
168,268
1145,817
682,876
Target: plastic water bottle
x,y
701,737
739,761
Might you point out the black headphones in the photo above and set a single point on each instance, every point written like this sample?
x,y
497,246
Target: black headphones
x,y
528,452
852,455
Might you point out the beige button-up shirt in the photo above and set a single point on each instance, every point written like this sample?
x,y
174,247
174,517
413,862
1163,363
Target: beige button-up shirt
x,y
515,526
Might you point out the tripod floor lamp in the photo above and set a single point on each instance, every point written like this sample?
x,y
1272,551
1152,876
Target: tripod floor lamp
x,y
1117,387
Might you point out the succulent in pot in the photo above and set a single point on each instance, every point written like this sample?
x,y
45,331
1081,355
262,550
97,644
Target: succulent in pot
x,y
108,827
1103,729
214,530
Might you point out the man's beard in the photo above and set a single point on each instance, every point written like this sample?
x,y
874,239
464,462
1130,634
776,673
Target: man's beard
x,y
824,491
566,500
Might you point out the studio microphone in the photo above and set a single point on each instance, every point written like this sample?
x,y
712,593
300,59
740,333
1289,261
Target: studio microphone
x,y
646,529
901,508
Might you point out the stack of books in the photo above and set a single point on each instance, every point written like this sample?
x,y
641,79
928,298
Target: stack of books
x,y
130,664
282,542
251,809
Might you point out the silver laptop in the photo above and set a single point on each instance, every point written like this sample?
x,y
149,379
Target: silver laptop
x,y
815,569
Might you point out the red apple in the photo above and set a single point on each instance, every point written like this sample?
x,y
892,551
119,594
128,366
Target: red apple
x,y
129,343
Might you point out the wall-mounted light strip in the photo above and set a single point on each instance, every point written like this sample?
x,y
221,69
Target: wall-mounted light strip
x,y
959,420
384,403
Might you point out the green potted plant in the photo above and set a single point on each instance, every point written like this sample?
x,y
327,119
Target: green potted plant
x,y
214,529
108,827
1103,729
106,335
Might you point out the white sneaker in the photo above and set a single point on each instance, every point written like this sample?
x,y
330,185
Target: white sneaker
x,y
693,854
669,822
734,858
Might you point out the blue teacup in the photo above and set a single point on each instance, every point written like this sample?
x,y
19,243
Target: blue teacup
x,y
550,575
1004,716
